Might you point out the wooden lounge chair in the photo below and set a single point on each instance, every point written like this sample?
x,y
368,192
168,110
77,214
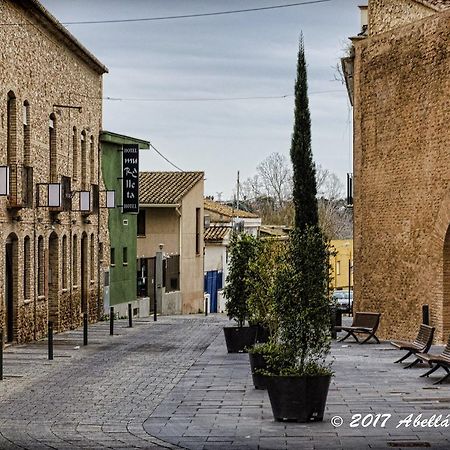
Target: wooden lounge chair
x,y
421,345
440,360
363,323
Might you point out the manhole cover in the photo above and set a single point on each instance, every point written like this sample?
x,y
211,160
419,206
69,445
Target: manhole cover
x,y
152,348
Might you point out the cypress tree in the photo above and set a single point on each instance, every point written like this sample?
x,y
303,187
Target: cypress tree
x,y
304,173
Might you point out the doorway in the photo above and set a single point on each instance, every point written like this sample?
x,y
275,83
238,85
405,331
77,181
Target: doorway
x,y
84,275
53,280
11,291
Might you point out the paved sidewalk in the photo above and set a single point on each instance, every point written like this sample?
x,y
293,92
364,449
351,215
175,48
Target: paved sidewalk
x,y
171,384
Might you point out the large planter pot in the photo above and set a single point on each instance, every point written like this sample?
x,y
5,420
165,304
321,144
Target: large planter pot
x,y
300,399
257,361
262,334
238,338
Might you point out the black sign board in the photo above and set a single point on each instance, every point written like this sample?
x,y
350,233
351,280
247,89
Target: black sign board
x,y
130,187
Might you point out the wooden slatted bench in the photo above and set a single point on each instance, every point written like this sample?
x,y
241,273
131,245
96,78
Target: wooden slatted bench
x,y
420,345
363,323
440,360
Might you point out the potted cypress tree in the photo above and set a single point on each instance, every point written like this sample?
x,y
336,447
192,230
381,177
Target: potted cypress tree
x,y
299,373
243,247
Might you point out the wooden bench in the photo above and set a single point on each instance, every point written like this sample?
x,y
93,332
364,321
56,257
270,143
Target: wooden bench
x,y
363,323
440,360
420,345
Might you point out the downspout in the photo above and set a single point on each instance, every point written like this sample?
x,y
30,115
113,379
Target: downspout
x,y
180,259
98,230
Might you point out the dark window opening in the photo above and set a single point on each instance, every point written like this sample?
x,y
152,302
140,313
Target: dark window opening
x,y
141,222
197,231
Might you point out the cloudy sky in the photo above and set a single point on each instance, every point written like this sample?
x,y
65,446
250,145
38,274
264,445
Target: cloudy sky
x,y
168,64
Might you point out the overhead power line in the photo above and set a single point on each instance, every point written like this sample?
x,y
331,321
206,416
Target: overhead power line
x,y
190,16
214,99
166,159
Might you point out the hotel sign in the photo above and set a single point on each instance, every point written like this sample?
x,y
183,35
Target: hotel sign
x,y
130,186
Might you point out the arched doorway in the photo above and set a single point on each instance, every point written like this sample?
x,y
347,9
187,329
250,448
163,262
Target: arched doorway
x,y
446,287
84,274
11,286
53,280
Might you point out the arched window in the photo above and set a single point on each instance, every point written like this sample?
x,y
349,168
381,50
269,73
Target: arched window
x,y
26,133
11,123
92,253
75,153
83,159
92,155
52,148
26,268
41,266
75,260
64,262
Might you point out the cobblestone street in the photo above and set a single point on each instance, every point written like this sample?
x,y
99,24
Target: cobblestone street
x,y
171,384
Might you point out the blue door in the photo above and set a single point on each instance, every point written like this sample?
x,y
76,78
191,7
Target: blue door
x,y
213,282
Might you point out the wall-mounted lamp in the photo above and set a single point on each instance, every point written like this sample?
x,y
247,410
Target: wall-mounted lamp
x,y
4,180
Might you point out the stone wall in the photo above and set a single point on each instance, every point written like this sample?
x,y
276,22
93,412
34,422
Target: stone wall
x,y
42,77
385,15
401,173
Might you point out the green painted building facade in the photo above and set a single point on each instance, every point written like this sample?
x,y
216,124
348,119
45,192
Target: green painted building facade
x,y
122,227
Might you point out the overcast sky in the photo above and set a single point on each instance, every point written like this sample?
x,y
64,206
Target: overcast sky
x,y
239,55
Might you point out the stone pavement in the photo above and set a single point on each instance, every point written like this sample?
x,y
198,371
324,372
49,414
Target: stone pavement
x,y
171,384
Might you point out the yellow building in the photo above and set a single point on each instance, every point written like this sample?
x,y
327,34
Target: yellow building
x,y
342,264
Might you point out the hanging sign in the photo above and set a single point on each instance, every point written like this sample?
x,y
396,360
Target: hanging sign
x,y
130,169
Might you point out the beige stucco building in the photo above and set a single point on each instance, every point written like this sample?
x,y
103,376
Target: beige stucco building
x,y
171,214
399,79
51,112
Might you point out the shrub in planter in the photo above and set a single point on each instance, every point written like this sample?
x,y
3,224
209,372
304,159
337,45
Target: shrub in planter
x,y
262,276
242,249
299,373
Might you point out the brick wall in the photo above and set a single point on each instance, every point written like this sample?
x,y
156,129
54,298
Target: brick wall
x,y
401,165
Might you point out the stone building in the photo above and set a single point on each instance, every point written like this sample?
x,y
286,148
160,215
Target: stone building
x,y
398,74
53,228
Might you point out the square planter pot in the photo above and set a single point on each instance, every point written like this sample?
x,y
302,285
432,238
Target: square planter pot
x,y
299,399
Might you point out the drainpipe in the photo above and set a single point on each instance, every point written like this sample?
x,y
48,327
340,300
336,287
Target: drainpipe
x,y
98,231
177,209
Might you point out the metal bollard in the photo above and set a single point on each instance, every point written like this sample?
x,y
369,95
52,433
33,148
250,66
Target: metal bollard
x,y
206,306
1,354
426,314
111,320
85,328
50,339
130,316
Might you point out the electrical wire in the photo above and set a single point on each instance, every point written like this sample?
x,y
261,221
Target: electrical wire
x,y
214,99
190,16
166,159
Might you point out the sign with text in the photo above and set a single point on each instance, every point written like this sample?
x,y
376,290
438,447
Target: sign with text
x,y
130,169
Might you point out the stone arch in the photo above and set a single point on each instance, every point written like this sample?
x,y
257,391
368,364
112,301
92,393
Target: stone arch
x,y
53,279
84,272
11,287
440,239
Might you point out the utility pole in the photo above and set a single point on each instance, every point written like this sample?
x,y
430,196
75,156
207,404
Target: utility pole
x,y
237,192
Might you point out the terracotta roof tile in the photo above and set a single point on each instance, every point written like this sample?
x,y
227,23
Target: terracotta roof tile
x,y
166,188
216,233
227,211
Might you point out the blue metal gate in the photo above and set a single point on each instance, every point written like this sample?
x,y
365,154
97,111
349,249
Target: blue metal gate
x,y
213,282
